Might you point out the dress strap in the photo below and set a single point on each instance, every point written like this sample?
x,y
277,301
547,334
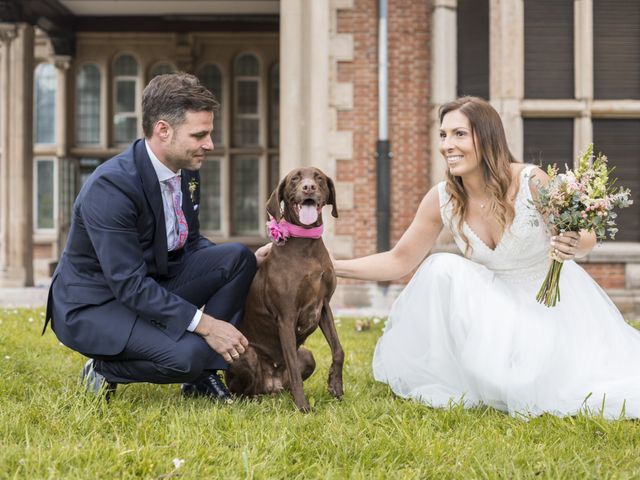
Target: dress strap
x,y
526,171
446,208
525,177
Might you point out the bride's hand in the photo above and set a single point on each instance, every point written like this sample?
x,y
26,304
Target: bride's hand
x,y
565,246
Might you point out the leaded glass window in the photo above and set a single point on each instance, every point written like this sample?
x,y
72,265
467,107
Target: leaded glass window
x,y
211,77
125,118
246,101
45,80
88,91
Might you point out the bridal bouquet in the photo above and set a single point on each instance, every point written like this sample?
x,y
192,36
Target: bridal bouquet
x,y
580,199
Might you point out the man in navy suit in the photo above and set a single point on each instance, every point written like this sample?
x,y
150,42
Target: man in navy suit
x,y
136,270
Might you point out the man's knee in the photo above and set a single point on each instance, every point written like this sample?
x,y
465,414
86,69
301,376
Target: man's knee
x,y
190,358
244,259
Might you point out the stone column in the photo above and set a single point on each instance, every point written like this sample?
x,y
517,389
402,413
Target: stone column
x,y
18,267
304,84
583,37
62,63
506,60
317,85
443,75
304,89
291,88
7,33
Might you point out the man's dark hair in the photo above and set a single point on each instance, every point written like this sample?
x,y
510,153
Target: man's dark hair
x,y
168,97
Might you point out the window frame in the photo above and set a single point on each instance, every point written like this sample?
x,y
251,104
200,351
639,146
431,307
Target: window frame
x,y
101,106
137,113
260,113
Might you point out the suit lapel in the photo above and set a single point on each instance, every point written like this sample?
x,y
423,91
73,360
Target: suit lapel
x,y
187,204
151,188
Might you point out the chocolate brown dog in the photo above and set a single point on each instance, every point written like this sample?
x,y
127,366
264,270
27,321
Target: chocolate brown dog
x,y
290,294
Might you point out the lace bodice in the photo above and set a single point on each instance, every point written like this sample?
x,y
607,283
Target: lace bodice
x,y
522,254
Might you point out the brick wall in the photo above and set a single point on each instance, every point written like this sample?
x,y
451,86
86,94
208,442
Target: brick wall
x,y
608,275
408,52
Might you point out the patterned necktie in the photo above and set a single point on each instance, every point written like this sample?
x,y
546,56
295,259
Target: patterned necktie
x,y
176,194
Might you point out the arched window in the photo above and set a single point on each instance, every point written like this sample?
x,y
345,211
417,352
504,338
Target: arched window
x,y
88,90
211,77
161,69
125,108
246,77
45,82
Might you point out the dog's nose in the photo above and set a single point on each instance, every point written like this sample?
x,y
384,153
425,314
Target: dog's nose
x,y
308,186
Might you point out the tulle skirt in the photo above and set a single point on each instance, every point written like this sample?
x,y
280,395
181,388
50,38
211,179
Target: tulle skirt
x,y
458,333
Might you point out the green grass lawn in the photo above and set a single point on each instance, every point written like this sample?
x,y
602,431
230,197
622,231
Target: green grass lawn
x,y
50,429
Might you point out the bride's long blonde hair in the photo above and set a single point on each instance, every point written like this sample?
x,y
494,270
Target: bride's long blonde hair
x,y
493,153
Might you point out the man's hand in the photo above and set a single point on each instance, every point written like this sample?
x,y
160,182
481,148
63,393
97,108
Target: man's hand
x,y
222,337
262,253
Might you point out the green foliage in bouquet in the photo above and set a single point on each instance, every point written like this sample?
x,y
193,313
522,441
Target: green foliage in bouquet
x,y
580,199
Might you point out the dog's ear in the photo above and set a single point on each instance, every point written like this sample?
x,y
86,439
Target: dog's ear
x,y
273,204
332,197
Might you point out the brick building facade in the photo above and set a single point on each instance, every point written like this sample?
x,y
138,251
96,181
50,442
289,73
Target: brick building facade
x,y
311,68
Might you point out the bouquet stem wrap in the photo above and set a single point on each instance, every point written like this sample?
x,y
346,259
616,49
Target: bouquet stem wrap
x,y
549,293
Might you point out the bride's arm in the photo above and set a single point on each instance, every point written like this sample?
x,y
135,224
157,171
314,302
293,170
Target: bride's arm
x,y
410,250
568,245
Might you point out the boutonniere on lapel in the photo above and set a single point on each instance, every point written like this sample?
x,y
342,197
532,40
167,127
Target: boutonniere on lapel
x,y
193,187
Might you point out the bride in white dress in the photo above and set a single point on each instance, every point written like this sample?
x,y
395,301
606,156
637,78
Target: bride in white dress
x,y
468,329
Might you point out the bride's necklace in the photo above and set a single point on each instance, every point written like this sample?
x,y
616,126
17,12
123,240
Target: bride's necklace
x,y
483,203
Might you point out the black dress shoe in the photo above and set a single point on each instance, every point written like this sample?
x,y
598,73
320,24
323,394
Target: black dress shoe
x,y
95,382
211,386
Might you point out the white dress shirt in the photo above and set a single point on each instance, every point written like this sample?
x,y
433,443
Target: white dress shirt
x,y
164,173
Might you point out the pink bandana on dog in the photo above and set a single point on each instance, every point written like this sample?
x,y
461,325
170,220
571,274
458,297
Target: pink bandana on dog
x,y
280,231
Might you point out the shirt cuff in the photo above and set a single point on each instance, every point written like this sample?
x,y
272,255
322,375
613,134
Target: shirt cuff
x,y
195,321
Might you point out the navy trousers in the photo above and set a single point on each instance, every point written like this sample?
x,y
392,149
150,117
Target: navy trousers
x,y
216,277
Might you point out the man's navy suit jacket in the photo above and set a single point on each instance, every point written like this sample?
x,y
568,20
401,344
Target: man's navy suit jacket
x,y
115,253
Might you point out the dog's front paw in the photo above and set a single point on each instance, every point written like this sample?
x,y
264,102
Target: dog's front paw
x,y
335,389
304,406
334,383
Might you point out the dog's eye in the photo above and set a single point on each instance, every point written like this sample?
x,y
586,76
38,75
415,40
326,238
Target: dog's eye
x,y
295,178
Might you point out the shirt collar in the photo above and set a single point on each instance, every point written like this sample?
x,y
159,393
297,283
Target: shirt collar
x,y
162,171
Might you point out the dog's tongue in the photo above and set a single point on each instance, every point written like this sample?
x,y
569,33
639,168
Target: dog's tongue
x,y
308,214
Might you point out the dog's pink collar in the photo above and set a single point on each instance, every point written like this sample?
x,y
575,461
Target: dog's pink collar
x,y
280,231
